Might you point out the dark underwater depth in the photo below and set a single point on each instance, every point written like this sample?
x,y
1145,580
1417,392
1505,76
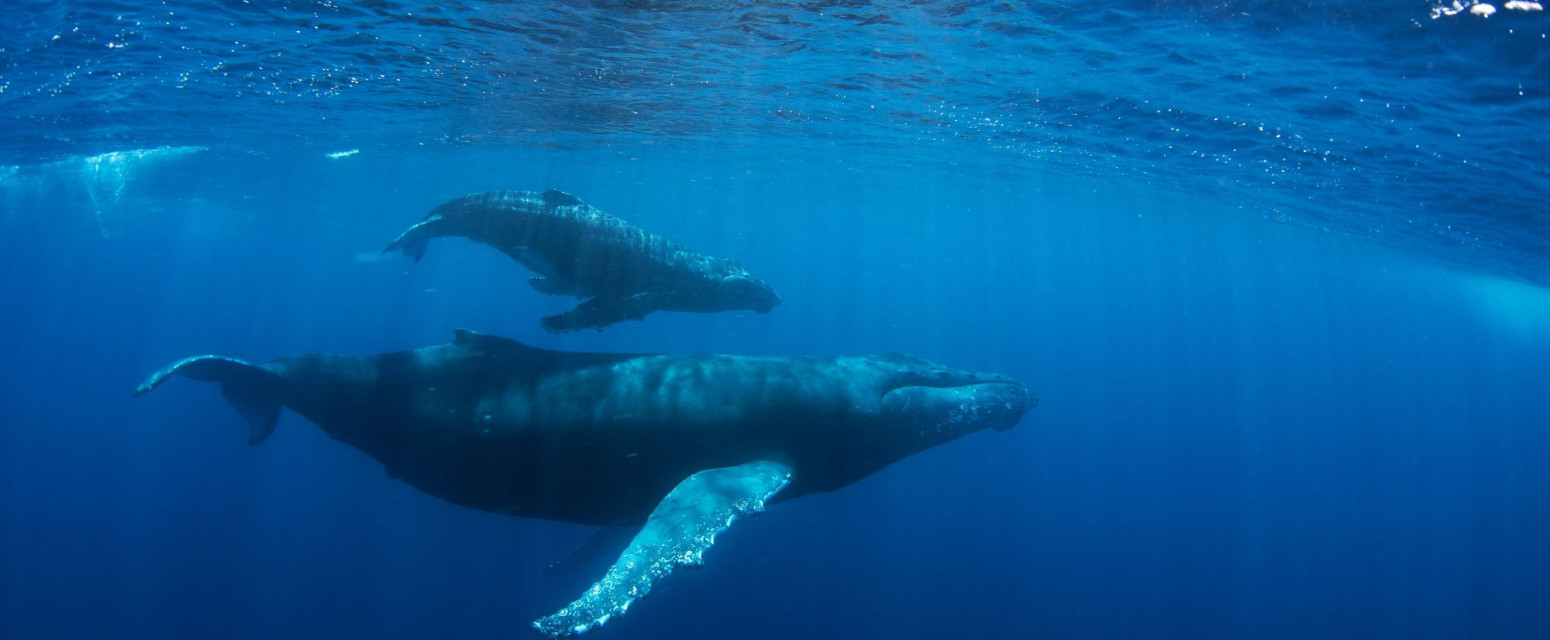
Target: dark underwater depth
x,y
1275,272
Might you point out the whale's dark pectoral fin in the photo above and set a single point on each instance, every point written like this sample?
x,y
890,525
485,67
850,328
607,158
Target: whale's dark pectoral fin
x,y
678,532
600,312
251,389
552,286
414,240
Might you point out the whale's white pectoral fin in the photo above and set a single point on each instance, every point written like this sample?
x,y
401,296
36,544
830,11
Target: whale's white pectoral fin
x,y
676,534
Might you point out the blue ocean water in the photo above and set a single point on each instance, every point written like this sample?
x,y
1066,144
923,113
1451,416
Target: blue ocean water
x,y
1275,270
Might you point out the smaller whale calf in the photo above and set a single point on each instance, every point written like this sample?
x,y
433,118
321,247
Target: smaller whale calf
x,y
624,272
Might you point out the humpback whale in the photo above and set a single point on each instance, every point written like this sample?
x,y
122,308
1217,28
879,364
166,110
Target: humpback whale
x,y
577,250
676,446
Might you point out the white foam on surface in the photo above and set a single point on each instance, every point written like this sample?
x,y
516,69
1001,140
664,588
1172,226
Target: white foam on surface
x,y
1481,9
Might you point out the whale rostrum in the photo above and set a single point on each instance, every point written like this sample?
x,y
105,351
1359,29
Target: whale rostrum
x,y
678,445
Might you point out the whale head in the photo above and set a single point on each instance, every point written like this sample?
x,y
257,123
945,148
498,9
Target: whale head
x,y
921,404
741,291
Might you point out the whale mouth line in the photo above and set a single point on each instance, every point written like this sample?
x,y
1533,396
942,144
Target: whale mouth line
x,y
959,381
969,389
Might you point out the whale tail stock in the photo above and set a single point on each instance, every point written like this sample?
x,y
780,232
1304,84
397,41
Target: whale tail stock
x,y
251,389
414,240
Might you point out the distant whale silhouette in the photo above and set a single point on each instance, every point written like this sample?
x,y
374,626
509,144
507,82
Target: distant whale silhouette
x,y
580,251
677,445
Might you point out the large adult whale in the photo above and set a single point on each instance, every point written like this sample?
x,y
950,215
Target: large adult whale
x,y
679,445
580,251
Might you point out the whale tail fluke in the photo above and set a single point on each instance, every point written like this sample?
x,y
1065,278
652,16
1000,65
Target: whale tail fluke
x,y
251,389
414,240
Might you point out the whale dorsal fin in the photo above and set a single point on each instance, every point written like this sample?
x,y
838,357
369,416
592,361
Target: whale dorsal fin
x,y
897,357
558,198
471,338
676,534
533,358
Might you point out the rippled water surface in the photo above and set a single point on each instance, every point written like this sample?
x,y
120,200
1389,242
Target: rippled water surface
x,y
1411,122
